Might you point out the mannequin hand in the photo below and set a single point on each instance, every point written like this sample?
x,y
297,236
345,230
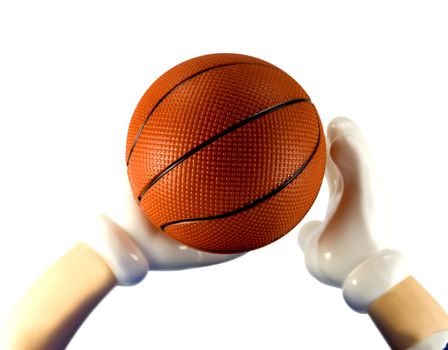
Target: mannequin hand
x,y
117,251
346,249
149,246
355,217
161,251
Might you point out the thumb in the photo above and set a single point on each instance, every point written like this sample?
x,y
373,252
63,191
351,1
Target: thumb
x,y
351,155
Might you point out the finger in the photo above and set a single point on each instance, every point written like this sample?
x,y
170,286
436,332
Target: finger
x,y
350,154
162,251
342,126
335,187
213,259
165,253
331,172
355,217
308,230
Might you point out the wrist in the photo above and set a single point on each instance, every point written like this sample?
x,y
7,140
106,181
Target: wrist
x,y
437,341
374,277
118,250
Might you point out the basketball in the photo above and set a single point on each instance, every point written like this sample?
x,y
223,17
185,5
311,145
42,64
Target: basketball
x,y
225,153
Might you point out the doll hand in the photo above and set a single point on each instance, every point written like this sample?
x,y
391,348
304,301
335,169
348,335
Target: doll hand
x,y
131,244
347,246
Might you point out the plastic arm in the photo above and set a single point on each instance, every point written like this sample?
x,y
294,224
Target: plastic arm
x,y
56,305
407,314
347,249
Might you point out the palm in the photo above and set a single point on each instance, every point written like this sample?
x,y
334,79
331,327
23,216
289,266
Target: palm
x,y
355,217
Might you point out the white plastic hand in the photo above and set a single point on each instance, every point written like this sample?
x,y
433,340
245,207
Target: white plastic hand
x,y
346,249
161,251
355,220
131,244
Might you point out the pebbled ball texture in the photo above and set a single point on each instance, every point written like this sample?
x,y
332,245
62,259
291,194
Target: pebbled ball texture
x,y
226,153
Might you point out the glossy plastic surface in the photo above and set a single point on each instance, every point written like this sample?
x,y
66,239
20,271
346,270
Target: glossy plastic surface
x,y
159,251
438,341
373,277
119,251
355,225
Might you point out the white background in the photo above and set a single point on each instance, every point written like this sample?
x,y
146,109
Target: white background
x,y
70,77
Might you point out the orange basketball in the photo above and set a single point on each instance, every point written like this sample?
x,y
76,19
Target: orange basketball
x,y
225,153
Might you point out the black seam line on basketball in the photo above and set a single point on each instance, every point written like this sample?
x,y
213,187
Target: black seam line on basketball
x,y
140,130
218,136
214,138
256,201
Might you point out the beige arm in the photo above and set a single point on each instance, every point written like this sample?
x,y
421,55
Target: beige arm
x,y
407,314
51,311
